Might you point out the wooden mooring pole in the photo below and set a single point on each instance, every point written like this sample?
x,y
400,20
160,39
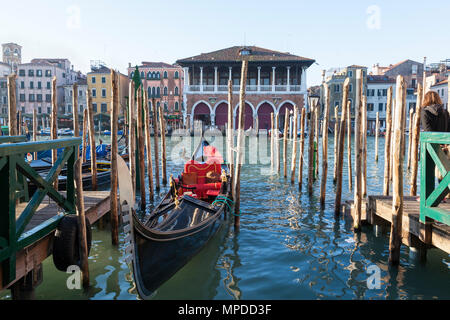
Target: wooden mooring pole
x,y
316,140
349,147
76,125
387,143
162,122
302,148
230,133
34,130
148,146
408,161
326,114
53,130
358,151
272,143
294,145
415,142
114,151
364,145
141,146
377,128
155,136
12,118
85,130
240,145
335,142
395,239
285,142
81,222
92,140
132,134
276,134
341,142
311,149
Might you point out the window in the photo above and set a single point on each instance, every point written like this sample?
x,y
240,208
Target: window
x,y
64,75
380,92
93,80
31,97
103,93
22,73
158,75
149,75
165,91
370,107
149,92
350,73
176,75
176,105
31,73
380,106
142,75
165,74
336,104
94,107
131,75
31,85
80,93
104,107
39,97
103,79
81,108
48,110
413,83
166,107
48,98
414,69
350,88
22,84
39,85
153,92
336,88
94,92
70,93
176,91
22,97
384,92
39,110
48,84
38,73
48,73
158,92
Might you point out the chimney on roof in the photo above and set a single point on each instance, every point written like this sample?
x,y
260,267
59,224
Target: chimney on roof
x,y
129,64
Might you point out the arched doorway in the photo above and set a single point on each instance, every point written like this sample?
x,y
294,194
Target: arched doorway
x,y
248,121
202,112
264,111
289,106
221,115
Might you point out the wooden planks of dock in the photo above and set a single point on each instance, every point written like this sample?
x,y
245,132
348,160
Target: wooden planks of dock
x,y
377,210
97,204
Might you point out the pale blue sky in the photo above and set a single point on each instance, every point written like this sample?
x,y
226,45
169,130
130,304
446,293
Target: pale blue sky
x,y
334,33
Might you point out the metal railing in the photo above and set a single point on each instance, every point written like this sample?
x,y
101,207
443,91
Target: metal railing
x,y
249,88
14,172
431,156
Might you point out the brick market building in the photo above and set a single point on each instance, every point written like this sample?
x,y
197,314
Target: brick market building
x,y
276,82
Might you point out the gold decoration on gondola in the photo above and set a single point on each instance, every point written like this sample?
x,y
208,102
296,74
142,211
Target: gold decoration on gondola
x,y
224,176
174,192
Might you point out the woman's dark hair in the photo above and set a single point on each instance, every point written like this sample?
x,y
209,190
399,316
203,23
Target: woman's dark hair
x,y
431,98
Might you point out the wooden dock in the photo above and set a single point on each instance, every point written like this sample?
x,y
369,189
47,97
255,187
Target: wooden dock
x,y
377,210
97,204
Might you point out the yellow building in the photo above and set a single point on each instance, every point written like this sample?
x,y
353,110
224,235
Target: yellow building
x,y
99,84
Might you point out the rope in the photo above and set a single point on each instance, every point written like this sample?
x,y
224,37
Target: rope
x,y
223,199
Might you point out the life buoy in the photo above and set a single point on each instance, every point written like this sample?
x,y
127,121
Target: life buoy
x,y
66,251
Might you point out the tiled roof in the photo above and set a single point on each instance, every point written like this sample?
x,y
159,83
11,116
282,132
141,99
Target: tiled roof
x,y
440,83
257,54
101,69
379,79
357,67
157,65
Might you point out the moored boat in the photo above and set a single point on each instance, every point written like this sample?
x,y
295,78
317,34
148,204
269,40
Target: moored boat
x,y
185,220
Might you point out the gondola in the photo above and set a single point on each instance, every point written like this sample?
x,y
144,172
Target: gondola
x,y
185,220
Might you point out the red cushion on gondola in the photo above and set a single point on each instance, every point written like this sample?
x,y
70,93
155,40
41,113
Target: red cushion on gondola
x,y
212,193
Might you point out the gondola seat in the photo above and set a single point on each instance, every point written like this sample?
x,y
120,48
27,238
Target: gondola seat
x,y
193,179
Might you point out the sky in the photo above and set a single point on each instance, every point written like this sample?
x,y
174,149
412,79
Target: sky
x,y
334,33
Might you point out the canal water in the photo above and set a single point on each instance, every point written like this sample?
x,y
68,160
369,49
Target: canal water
x,y
287,246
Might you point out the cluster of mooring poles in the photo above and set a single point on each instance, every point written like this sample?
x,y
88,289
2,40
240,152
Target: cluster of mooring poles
x,y
393,157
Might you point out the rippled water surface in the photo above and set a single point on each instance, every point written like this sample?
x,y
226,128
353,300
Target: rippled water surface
x,y
287,248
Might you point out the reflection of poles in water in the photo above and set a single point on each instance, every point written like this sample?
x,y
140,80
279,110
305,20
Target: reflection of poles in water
x,y
230,282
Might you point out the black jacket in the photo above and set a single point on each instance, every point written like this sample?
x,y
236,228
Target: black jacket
x,y
435,118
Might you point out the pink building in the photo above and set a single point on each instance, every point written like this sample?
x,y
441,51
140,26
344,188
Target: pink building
x,y
164,82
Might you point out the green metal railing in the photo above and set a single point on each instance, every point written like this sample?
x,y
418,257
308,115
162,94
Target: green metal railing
x,y
14,169
431,156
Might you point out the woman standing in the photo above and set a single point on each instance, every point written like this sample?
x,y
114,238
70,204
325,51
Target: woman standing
x,y
433,115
